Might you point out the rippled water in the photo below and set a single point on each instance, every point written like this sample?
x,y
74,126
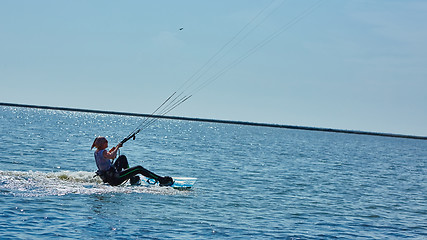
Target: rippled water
x,y
253,182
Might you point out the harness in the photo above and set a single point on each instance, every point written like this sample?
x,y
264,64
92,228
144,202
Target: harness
x,y
108,175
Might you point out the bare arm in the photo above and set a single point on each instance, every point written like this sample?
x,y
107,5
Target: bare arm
x,y
112,154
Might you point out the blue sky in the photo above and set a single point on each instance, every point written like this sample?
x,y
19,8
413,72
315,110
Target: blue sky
x,y
355,64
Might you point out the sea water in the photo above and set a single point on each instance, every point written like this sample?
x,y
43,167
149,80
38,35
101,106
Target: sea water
x,y
253,182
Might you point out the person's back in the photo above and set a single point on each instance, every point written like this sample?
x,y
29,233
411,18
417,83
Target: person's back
x,y
102,163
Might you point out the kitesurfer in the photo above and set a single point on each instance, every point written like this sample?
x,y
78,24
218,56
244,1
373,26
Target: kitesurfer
x,y
119,172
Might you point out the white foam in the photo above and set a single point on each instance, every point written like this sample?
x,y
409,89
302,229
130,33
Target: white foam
x,y
67,182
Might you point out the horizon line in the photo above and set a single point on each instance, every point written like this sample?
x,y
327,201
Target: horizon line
x,y
271,125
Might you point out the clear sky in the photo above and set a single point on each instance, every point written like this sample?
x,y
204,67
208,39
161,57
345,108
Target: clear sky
x,y
354,64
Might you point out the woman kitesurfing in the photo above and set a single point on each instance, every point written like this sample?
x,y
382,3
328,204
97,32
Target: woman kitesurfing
x,y
118,172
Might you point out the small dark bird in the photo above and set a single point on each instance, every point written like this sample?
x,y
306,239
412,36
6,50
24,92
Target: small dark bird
x,y
181,29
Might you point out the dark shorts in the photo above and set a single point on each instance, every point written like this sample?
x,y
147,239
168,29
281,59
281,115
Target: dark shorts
x,y
121,172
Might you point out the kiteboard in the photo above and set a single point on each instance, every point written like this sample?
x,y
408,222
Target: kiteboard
x,y
181,183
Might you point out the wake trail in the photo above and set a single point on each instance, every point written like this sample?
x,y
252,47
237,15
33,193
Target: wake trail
x,y
38,184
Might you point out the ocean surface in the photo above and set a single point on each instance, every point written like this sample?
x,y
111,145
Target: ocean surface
x,y
252,182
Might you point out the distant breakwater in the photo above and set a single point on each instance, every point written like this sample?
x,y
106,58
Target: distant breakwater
x,y
218,121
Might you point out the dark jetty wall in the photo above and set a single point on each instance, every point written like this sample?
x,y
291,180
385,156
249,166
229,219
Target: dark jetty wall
x,y
219,121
